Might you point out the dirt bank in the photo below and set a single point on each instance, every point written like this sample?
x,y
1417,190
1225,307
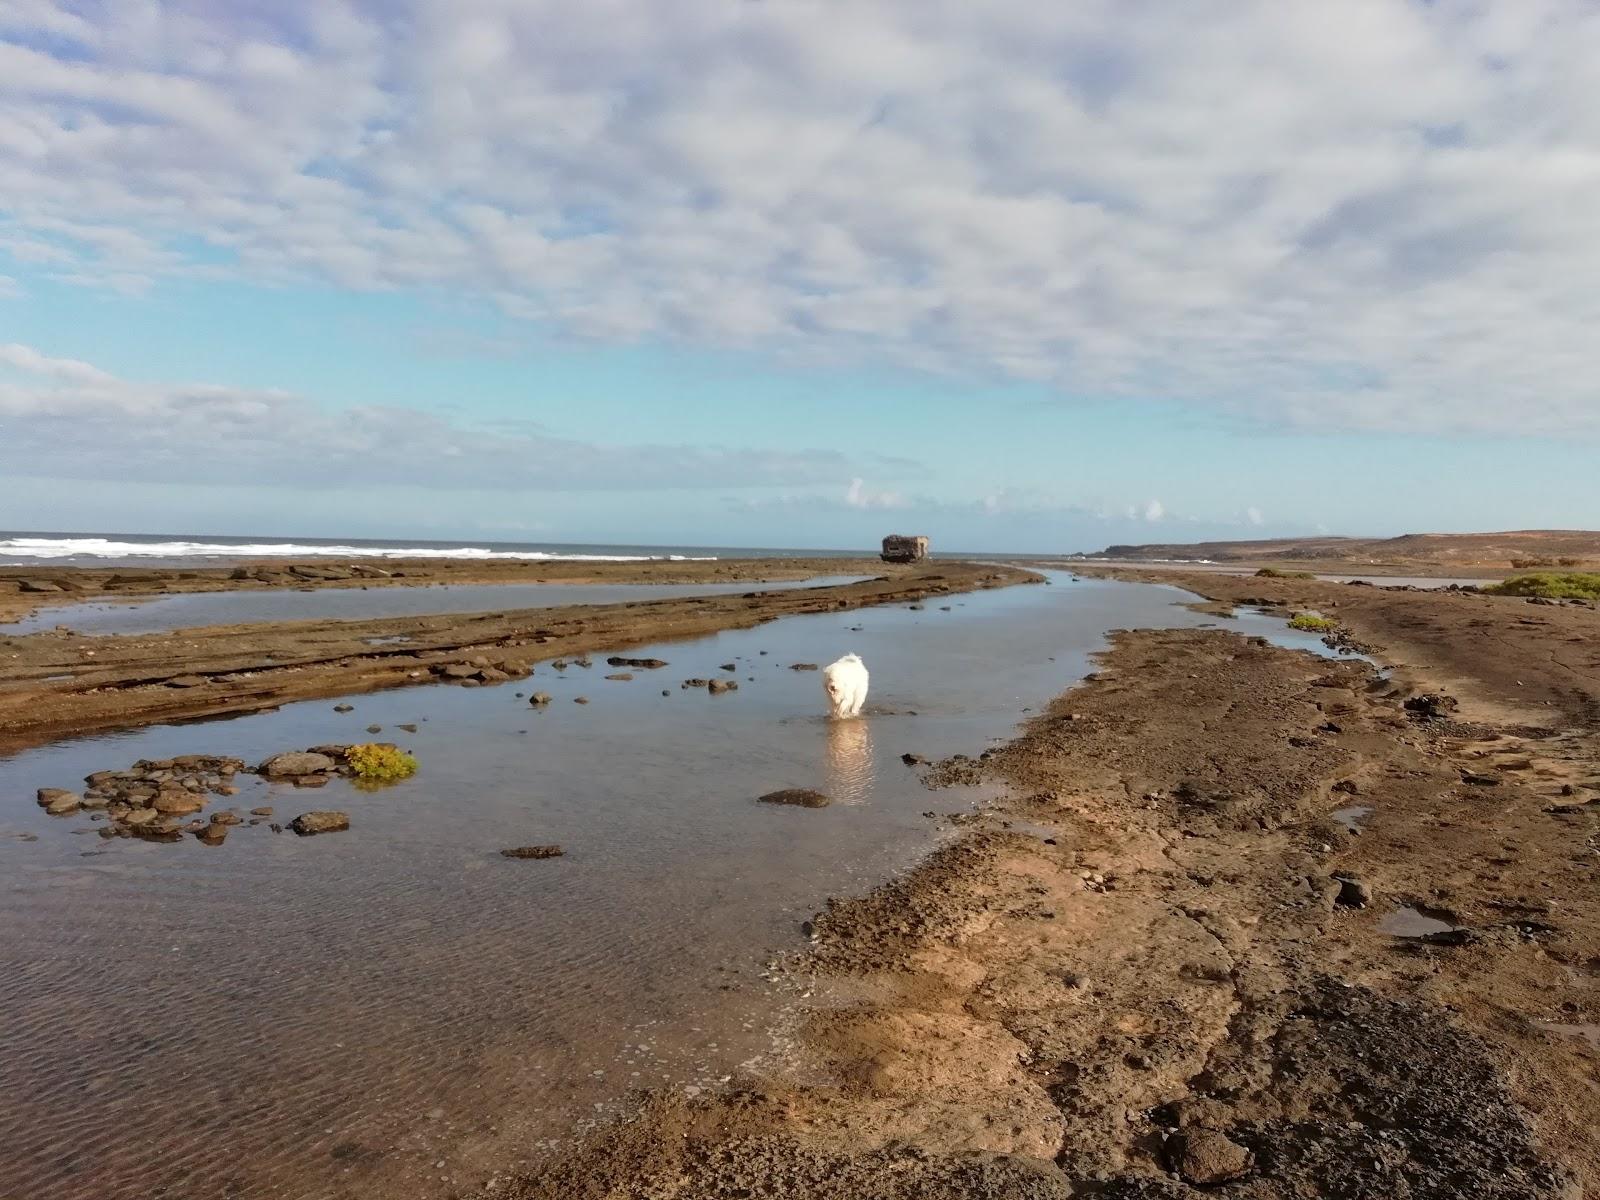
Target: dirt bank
x,y
57,684
24,589
1161,965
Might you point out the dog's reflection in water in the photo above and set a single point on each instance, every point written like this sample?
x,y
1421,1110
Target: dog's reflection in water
x,y
849,761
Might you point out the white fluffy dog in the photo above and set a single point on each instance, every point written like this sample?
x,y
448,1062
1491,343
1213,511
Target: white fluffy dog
x,y
845,682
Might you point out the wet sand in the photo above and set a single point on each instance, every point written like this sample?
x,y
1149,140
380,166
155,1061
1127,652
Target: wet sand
x,y
1161,965
58,684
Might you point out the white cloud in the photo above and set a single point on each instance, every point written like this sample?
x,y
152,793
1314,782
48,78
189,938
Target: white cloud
x,y
1371,215
1154,510
1253,515
69,419
858,495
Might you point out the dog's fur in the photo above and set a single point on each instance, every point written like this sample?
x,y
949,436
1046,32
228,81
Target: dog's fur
x,y
845,681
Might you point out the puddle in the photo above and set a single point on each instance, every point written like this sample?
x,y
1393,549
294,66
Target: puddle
x,y
294,998
1351,817
1416,920
161,614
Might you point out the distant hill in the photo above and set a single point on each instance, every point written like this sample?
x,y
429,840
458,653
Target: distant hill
x,y
1517,548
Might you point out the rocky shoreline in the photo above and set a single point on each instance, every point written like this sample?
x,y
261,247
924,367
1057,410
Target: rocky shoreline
x,y
25,589
1167,962
60,684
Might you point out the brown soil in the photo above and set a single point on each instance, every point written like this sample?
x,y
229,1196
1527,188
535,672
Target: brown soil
x,y
60,683
1411,550
1157,968
24,589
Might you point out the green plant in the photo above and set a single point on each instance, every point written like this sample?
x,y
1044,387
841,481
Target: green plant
x,y
1552,585
1313,623
376,763
1276,573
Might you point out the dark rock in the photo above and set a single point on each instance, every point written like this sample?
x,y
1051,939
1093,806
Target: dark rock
x,y
264,811
533,852
695,683
309,823
802,666
374,728
798,797
539,699
1432,706
729,667
643,664
913,760
718,686
580,699
1204,1156
1353,892
1346,787
1479,780
344,708
408,728
37,585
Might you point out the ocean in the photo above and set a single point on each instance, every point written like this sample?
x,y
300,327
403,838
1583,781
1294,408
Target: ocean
x,y
25,548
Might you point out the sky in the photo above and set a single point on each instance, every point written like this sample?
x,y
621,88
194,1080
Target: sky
x,y
1019,276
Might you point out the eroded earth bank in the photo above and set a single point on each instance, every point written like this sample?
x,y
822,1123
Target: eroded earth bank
x,y
1244,922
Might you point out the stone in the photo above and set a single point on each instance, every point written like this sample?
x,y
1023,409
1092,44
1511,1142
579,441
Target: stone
x,y
178,803
458,671
140,816
408,728
48,796
533,852
643,664
802,666
344,708
580,699
797,797
310,781
62,805
226,817
374,728
539,699
295,763
913,760
264,811
310,823
729,667
1204,1157
717,686
1353,892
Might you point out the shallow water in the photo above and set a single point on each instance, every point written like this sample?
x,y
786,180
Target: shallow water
x,y
335,1016
1415,920
188,610
1352,816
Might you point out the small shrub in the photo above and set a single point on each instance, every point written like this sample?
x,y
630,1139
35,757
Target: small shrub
x,y
375,764
1553,585
1312,623
1276,573
1523,564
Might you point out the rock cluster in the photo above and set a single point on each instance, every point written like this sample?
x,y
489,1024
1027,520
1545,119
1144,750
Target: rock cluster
x,y
477,671
161,799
